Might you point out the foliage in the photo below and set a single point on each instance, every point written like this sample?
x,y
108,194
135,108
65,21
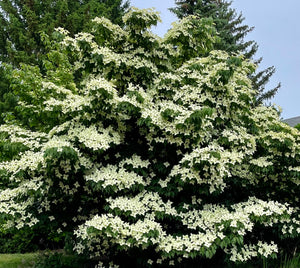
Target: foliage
x,y
26,25
232,32
226,20
18,242
60,260
290,262
139,150
22,23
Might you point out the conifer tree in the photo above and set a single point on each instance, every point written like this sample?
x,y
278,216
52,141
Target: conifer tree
x,y
232,32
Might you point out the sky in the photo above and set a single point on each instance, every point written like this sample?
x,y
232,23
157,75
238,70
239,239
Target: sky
x,y
276,31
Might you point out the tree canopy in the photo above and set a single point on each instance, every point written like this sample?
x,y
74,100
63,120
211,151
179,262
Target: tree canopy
x,y
25,25
22,23
232,33
134,145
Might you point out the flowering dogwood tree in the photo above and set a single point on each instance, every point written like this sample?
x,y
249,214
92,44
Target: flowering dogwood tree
x,y
135,143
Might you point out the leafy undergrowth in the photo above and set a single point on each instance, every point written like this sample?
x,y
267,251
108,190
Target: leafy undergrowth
x,y
61,260
292,262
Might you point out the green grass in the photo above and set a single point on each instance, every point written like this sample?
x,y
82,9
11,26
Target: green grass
x,y
18,260
29,259
42,259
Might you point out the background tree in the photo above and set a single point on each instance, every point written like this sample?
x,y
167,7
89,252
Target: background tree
x,y
23,22
232,32
149,150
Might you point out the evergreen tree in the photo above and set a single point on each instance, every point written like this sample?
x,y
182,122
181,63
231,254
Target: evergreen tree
x,y
232,32
23,22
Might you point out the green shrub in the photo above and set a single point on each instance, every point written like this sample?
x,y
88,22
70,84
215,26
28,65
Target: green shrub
x,y
18,241
60,260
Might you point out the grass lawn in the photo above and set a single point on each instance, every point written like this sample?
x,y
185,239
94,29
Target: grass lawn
x,y
52,258
18,260
28,260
